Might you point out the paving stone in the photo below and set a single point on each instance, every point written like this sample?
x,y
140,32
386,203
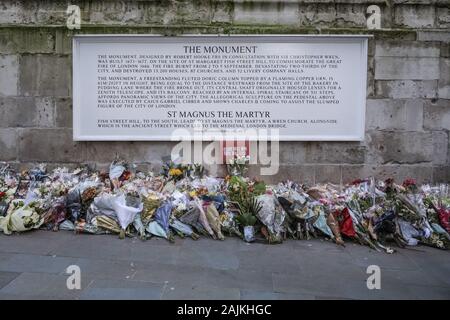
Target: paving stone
x,y
6,277
40,286
193,292
121,290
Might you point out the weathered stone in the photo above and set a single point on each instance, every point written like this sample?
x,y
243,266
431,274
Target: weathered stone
x,y
415,16
63,42
63,112
422,174
187,12
436,116
441,174
26,40
26,112
9,72
8,144
387,114
336,152
222,12
443,17
444,80
370,89
390,147
301,173
390,48
117,13
332,15
266,13
327,173
140,152
49,145
443,35
404,89
397,68
45,75
440,147
294,152
445,50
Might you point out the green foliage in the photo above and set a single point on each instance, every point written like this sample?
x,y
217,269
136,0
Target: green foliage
x,y
246,219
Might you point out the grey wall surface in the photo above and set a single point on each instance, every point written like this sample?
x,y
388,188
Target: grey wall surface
x,y
408,94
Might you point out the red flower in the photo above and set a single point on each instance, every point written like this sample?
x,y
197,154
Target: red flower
x,y
409,183
2,194
356,182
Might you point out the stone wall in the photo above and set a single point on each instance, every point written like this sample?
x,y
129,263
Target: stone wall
x,y
408,94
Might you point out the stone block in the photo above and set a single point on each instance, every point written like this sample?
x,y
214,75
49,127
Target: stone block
x,y
328,173
128,12
294,152
423,174
445,50
436,116
441,174
9,75
401,68
390,147
414,16
8,144
390,48
387,114
440,147
63,112
26,112
49,145
298,173
63,41
444,79
222,12
336,152
27,40
134,151
370,89
182,12
406,89
443,36
443,17
269,13
45,75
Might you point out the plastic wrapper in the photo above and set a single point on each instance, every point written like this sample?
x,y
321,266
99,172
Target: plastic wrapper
x,y
56,214
444,218
139,226
150,204
409,233
183,228
202,218
90,228
156,229
162,215
345,222
125,214
321,224
271,215
20,217
214,220
334,226
67,225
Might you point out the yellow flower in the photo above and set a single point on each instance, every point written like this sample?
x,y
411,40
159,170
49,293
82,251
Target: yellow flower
x,y
193,193
175,172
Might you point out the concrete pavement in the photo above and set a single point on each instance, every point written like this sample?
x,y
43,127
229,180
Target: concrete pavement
x,y
33,266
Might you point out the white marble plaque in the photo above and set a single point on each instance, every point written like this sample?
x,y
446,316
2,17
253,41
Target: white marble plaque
x,y
137,87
